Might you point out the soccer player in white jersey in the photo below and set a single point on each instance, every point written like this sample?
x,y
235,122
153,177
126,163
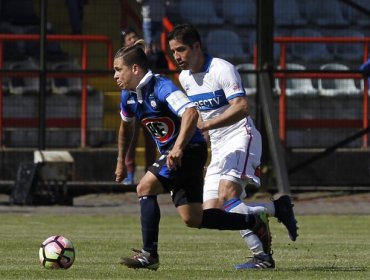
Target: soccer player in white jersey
x,y
214,85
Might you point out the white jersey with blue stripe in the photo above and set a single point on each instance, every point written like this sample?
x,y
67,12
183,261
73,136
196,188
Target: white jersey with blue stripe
x,y
236,149
211,89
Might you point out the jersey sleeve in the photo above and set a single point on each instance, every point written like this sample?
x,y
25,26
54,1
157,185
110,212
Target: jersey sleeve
x,y
230,82
177,100
126,115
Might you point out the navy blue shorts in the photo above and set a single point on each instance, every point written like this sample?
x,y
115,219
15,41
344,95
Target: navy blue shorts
x,y
186,183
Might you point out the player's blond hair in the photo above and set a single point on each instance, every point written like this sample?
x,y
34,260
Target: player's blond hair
x,y
134,54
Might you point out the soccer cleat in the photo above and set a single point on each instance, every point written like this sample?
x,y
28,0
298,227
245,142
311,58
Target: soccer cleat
x,y
130,179
285,214
141,259
258,262
262,230
127,182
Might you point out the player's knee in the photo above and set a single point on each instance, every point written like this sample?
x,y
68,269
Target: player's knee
x,y
139,190
192,222
226,195
228,190
143,189
191,214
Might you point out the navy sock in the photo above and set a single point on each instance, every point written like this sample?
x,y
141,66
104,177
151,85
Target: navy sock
x,y
150,217
218,219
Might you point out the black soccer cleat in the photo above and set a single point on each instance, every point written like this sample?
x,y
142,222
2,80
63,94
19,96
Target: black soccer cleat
x,y
285,214
141,259
258,262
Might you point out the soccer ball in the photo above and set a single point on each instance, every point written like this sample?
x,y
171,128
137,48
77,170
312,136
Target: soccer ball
x,y
57,252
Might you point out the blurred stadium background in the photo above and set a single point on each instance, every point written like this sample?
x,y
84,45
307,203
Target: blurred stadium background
x,y
57,91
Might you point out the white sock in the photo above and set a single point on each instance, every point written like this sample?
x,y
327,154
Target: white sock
x,y
269,206
250,239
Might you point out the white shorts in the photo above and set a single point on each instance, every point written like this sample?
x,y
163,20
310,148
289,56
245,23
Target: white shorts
x,y
237,158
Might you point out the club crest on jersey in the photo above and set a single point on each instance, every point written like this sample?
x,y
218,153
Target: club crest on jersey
x,y
153,103
162,128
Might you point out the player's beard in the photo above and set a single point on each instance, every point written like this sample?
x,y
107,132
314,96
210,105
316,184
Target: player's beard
x,y
183,65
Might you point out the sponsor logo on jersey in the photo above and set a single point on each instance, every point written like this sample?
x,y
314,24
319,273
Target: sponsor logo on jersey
x,y
161,128
209,100
208,103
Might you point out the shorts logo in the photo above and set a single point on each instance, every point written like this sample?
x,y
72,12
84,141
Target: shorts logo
x,y
162,128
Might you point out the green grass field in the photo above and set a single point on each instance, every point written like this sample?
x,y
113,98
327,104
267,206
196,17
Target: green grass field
x,y
329,247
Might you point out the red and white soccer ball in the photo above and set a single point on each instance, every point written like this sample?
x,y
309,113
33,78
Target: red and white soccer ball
x,y
57,252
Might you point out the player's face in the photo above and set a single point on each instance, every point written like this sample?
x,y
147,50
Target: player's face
x,y
183,54
130,39
123,75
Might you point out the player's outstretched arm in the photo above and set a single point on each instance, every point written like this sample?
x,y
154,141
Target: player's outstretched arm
x,y
120,167
237,110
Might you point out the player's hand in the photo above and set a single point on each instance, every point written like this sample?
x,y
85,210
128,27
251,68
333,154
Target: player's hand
x,y
206,136
201,125
174,158
120,171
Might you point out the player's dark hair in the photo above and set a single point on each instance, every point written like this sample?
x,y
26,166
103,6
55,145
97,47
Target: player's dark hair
x,y
127,31
186,33
134,54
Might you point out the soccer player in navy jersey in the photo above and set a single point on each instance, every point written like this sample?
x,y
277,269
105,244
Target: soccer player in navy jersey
x,y
171,118
215,86
129,37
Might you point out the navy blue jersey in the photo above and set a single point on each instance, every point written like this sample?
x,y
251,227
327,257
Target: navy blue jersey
x,y
158,103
